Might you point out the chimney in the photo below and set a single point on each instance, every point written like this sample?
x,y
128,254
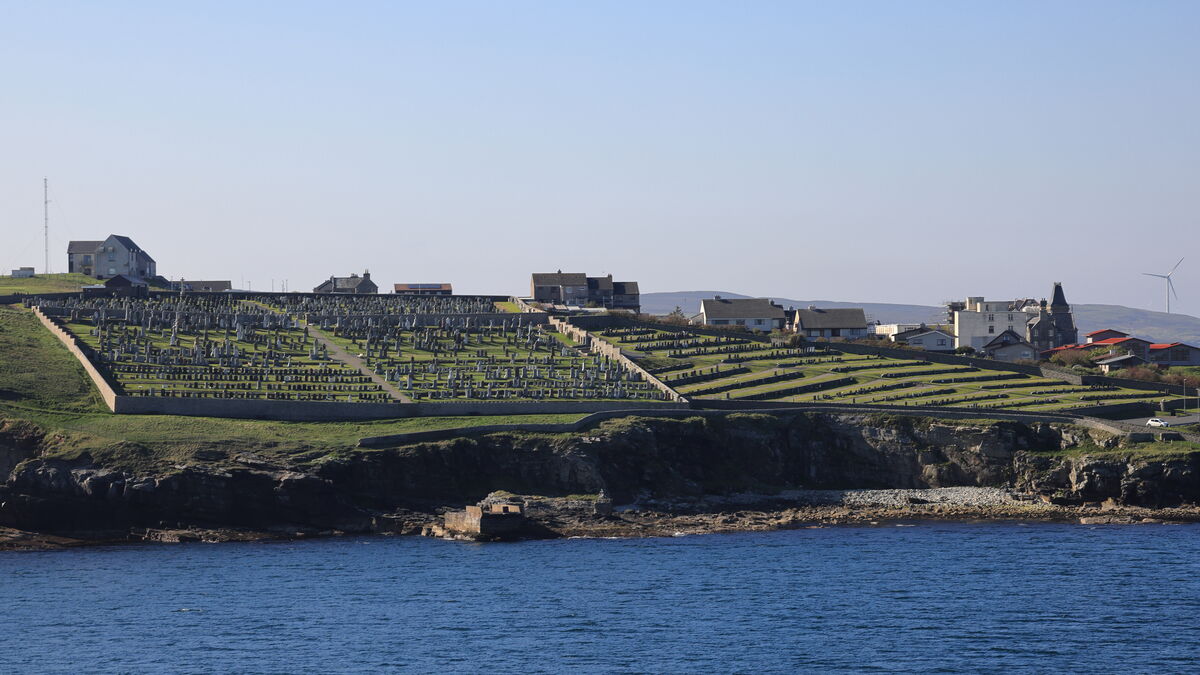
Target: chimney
x,y
367,274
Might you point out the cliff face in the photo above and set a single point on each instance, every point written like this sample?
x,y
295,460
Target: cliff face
x,y
630,459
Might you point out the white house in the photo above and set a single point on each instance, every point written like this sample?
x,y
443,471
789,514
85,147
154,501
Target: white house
x,y
978,321
117,255
758,314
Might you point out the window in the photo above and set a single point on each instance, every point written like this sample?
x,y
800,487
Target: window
x,y
991,317
758,322
111,256
87,259
1010,319
941,342
741,322
991,330
721,322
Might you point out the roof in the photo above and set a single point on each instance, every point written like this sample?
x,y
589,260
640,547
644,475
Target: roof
x,y
740,308
351,282
560,279
1165,345
129,245
600,283
223,285
122,280
1116,341
420,287
817,319
1005,339
625,288
1119,359
919,332
1105,330
76,247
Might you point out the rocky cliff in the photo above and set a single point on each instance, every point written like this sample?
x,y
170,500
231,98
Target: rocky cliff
x,y
633,460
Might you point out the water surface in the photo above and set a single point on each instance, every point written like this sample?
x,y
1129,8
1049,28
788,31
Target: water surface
x,y
947,597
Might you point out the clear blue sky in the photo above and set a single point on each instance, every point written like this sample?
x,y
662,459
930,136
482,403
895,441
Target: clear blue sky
x,y
870,151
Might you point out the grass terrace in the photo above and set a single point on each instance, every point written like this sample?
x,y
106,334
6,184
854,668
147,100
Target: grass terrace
x,y
738,368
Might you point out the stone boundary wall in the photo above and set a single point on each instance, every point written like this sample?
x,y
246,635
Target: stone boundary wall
x,y
333,411
76,348
613,352
613,321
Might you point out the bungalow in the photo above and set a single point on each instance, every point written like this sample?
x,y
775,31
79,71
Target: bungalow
x,y
23,273
828,323
1010,347
422,289
353,284
1174,354
758,314
1118,362
929,339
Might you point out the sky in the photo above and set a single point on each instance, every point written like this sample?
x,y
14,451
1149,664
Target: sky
x,y
905,152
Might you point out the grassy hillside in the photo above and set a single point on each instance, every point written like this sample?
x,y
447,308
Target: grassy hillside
x,y
45,283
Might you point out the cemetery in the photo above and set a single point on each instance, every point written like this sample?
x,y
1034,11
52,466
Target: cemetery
x,y
336,349
736,368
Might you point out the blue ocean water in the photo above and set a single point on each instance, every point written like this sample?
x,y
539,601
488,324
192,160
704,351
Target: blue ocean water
x,y
944,597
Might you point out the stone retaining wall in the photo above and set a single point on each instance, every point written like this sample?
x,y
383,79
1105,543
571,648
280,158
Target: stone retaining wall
x,y
77,348
605,348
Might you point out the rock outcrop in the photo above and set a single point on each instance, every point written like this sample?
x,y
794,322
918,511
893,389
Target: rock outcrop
x,y
633,460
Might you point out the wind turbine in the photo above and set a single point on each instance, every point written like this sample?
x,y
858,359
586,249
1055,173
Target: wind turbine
x,y
1170,286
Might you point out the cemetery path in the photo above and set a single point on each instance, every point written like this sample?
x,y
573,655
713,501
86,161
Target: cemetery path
x,y
350,359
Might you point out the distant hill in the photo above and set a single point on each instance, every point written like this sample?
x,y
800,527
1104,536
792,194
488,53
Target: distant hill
x,y
1143,323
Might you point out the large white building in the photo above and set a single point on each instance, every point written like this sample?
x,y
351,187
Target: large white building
x,y
1044,326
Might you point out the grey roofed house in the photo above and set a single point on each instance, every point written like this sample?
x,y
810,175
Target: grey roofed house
x,y
1009,346
754,313
559,287
116,255
352,284
625,288
848,322
1119,361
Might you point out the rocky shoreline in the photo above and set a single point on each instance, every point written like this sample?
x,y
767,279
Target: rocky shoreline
x,y
808,509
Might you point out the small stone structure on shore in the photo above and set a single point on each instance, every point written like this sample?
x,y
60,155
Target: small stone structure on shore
x,y
497,516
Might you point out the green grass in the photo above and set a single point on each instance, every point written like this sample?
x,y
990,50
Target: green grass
x,y
37,370
510,307
917,378
45,283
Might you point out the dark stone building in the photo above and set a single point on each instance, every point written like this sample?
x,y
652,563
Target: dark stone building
x,y
1053,326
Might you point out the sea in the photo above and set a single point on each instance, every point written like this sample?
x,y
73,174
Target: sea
x,y
920,598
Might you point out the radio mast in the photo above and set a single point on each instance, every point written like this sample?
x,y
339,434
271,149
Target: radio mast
x,y
46,222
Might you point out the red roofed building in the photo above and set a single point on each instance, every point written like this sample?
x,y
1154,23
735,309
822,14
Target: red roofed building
x,y
1174,354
